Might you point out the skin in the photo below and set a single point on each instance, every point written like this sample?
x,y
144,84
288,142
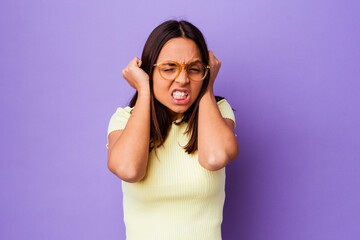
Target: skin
x,y
181,50
128,154
218,132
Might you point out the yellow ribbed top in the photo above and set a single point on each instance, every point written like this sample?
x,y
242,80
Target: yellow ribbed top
x,y
177,199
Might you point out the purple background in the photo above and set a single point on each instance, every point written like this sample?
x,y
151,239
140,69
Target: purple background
x,y
289,68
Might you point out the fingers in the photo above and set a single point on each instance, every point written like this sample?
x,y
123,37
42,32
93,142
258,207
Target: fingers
x,y
212,59
139,62
134,75
211,56
135,62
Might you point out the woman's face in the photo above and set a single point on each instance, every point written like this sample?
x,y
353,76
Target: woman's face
x,y
181,50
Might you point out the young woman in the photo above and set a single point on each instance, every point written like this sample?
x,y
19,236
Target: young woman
x,y
171,144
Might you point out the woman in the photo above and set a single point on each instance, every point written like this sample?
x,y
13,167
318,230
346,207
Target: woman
x,y
171,144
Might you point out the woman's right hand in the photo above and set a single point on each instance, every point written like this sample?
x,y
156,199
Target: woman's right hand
x,y
135,76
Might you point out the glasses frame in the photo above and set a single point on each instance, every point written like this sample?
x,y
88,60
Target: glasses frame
x,y
180,66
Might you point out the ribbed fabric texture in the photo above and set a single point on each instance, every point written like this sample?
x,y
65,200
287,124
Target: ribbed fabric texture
x,y
178,199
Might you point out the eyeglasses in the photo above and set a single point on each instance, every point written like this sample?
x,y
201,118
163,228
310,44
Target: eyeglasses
x,y
170,70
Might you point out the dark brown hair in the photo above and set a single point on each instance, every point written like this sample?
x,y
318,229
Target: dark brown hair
x,y
160,115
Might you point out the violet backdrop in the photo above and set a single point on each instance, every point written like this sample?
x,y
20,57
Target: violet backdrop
x,y
289,68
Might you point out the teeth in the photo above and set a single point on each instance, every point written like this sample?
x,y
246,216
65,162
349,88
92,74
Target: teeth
x,y
179,94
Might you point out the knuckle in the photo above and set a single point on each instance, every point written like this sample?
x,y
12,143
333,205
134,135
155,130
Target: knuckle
x,y
124,72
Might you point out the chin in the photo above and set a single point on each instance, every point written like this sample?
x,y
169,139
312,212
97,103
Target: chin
x,y
177,110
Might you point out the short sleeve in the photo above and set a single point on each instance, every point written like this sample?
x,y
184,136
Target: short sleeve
x,y
226,110
118,121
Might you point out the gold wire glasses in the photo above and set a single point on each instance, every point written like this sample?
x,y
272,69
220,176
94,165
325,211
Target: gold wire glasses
x,y
170,70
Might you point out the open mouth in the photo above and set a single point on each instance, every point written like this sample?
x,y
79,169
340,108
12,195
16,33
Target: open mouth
x,y
180,96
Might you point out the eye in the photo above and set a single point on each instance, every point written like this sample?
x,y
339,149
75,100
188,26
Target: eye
x,y
168,69
194,69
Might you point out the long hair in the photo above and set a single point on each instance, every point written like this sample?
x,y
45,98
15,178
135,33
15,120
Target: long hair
x,y
159,114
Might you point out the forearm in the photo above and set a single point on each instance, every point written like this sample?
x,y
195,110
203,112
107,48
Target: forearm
x,y
217,144
129,156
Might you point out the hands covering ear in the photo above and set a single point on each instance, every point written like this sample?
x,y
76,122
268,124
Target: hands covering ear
x,y
135,76
215,65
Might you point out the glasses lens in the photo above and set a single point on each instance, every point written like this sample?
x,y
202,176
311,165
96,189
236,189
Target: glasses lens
x,y
196,71
169,70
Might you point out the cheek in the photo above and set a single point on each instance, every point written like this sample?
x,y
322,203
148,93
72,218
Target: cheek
x,y
160,87
197,88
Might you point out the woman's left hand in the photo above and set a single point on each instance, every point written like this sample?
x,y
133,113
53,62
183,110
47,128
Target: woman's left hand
x,y
215,65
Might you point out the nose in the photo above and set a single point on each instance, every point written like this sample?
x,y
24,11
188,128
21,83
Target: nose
x,y
182,78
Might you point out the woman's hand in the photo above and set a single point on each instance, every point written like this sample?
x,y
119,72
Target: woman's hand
x,y
215,65
135,76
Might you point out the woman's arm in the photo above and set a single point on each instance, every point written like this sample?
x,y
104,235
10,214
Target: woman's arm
x,y
217,144
129,149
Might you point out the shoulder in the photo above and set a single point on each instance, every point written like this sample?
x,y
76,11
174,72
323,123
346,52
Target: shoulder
x,y
223,103
119,118
124,112
225,109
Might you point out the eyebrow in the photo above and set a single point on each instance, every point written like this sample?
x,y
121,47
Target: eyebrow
x,y
168,63
196,60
